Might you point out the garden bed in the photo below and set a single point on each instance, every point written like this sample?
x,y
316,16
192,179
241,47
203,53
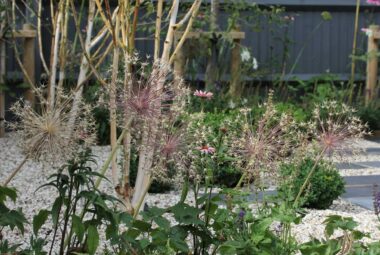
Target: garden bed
x,y
35,174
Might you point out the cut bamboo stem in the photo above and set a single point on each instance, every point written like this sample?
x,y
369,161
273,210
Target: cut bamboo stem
x,y
112,106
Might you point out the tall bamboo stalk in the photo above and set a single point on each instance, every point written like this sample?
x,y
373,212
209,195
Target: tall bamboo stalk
x,y
55,53
149,137
112,93
84,67
157,35
42,57
63,47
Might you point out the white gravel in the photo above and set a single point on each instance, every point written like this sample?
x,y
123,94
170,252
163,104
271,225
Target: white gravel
x,y
35,174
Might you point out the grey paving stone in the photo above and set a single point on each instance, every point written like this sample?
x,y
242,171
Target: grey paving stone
x,y
365,202
361,180
372,164
373,151
363,191
345,165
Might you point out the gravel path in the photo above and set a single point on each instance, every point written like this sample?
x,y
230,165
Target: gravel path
x,y
35,174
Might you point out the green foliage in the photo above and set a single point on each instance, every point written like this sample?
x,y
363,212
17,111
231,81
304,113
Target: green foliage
x,y
325,186
100,114
371,116
8,217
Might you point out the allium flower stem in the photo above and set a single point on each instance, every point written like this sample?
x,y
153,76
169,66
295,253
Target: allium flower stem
x,y
110,157
16,170
307,180
238,185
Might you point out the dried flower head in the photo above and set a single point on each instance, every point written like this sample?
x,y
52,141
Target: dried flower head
x,y
158,93
51,134
336,128
260,149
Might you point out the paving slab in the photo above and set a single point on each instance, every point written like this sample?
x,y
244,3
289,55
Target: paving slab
x,y
371,164
345,165
362,180
373,151
358,191
365,202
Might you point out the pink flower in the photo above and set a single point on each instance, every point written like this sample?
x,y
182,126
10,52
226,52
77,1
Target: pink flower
x,y
205,149
367,31
203,94
375,2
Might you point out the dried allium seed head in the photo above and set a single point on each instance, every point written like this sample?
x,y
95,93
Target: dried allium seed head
x,y
259,150
47,134
336,129
158,93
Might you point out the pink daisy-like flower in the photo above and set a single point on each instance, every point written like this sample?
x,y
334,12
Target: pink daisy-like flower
x,y
205,149
203,94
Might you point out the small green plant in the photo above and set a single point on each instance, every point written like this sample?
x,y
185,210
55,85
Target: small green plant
x,y
324,187
371,115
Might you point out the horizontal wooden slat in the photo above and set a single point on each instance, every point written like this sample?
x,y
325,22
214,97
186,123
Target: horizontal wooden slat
x,y
195,35
24,33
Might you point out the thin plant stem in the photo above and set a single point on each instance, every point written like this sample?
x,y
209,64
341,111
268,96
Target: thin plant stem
x,y
16,170
353,60
307,180
238,185
109,159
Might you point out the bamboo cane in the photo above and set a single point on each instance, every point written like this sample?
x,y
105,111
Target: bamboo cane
x,y
112,93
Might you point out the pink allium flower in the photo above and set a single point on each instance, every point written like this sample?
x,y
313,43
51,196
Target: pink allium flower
x,y
375,2
203,94
205,149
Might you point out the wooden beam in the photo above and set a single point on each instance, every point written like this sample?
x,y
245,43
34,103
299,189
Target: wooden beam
x,y
24,33
195,35
372,65
236,86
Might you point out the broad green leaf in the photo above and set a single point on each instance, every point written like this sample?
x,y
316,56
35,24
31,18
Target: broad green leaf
x,y
179,245
39,220
92,239
78,227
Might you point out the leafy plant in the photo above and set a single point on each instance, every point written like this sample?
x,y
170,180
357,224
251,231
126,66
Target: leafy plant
x,y
370,115
325,186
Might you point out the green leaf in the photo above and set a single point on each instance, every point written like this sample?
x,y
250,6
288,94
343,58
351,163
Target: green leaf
x,y
78,227
92,239
326,16
162,222
56,208
179,245
39,220
186,214
7,192
141,225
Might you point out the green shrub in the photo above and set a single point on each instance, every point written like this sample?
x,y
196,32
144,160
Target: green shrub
x,y
371,116
325,186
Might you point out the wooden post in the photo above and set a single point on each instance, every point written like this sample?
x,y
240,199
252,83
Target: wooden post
x,y
236,86
29,62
